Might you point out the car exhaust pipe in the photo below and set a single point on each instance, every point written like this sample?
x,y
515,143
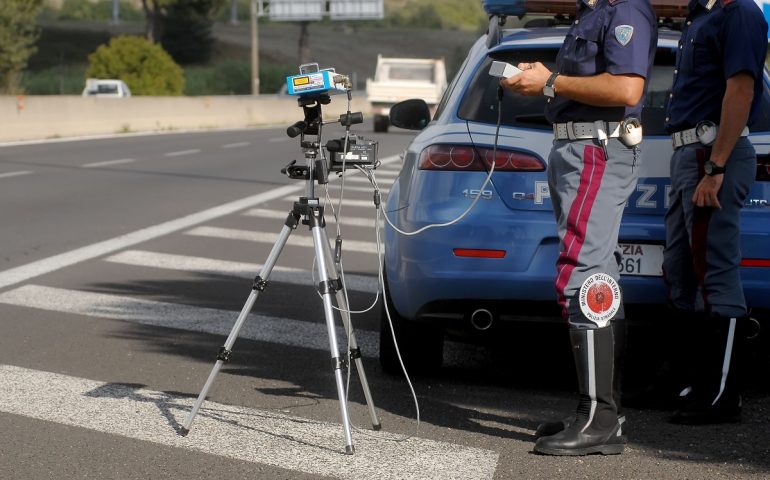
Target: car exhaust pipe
x,y
482,319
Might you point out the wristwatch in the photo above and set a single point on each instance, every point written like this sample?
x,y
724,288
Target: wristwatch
x,y
548,89
710,168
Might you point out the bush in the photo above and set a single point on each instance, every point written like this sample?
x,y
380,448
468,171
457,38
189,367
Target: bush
x,y
231,77
145,67
54,81
92,10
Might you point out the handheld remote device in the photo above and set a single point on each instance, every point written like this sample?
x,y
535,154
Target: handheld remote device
x,y
503,70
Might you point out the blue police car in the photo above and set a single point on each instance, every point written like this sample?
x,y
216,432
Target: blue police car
x,y
497,264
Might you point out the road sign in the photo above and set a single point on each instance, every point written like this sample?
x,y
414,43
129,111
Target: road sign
x,y
312,10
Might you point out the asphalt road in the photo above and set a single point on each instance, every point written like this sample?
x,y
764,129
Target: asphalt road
x,y
123,265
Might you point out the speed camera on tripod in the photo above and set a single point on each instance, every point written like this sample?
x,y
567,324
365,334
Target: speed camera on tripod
x,y
313,82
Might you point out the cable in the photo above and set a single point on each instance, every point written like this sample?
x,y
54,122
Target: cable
x,y
481,189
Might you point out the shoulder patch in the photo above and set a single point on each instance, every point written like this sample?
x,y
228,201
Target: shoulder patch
x,y
623,34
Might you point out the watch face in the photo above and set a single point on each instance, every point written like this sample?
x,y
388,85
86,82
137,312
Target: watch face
x,y
708,167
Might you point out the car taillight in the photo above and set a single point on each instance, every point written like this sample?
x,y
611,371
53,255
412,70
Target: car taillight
x,y
763,168
472,159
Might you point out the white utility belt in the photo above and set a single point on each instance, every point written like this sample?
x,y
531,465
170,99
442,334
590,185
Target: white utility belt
x,y
584,130
705,133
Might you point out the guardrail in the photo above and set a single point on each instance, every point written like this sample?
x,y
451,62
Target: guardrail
x,y
41,117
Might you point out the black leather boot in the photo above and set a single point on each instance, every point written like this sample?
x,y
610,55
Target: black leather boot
x,y
716,393
679,345
618,326
596,428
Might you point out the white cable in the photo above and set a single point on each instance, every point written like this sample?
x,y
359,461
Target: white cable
x,y
475,200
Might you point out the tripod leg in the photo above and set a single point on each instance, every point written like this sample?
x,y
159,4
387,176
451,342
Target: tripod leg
x,y
326,289
259,285
355,352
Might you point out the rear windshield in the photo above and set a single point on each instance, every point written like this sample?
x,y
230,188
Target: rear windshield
x,y
480,101
408,71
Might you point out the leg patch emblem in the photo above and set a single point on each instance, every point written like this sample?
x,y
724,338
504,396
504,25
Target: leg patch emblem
x,y
600,298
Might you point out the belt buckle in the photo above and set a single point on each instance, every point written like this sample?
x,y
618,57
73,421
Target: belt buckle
x,y
706,132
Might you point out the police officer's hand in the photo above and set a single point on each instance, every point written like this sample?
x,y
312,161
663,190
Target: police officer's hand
x,y
530,81
707,190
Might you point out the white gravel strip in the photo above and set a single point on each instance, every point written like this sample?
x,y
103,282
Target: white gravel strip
x,y
263,437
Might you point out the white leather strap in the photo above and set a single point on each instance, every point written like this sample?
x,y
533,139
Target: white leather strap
x,y
690,136
584,130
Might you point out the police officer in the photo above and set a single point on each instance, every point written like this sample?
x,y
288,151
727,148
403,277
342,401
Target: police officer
x,y
595,99
716,92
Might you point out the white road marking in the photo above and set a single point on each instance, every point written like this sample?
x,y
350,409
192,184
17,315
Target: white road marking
x,y
108,162
15,174
345,202
346,220
56,262
139,258
257,436
284,331
269,237
236,145
349,188
182,152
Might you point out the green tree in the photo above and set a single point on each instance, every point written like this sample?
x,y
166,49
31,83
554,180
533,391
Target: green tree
x,y
186,29
18,33
145,67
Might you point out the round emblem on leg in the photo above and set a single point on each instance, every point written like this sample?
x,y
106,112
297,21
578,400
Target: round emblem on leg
x,y
600,298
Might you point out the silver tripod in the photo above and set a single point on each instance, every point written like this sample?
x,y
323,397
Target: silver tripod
x,y
310,212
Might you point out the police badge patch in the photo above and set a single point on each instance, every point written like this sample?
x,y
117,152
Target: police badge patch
x,y
624,33
599,298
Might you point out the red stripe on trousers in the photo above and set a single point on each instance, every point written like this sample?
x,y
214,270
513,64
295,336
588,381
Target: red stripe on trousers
x,y
577,219
700,225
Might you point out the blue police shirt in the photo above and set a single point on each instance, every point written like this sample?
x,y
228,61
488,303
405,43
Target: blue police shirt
x,y
613,36
716,43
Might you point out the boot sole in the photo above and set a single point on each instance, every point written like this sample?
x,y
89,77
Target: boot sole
x,y
607,449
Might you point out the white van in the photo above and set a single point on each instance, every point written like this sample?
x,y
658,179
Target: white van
x,y
111,88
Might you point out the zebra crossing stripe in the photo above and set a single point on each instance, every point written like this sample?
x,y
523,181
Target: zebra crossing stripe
x,y
345,203
284,331
346,220
297,276
258,436
56,262
265,237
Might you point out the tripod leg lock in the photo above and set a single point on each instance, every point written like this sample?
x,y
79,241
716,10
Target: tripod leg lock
x,y
259,284
330,286
355,353
338,363
224,354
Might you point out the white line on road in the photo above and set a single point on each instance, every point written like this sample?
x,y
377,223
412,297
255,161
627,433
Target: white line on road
x,y
182,152
284,331
108,162
349,188
257,436
268,237
62,260
15,174
236,145
345,202
56,262
346,220
297,276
